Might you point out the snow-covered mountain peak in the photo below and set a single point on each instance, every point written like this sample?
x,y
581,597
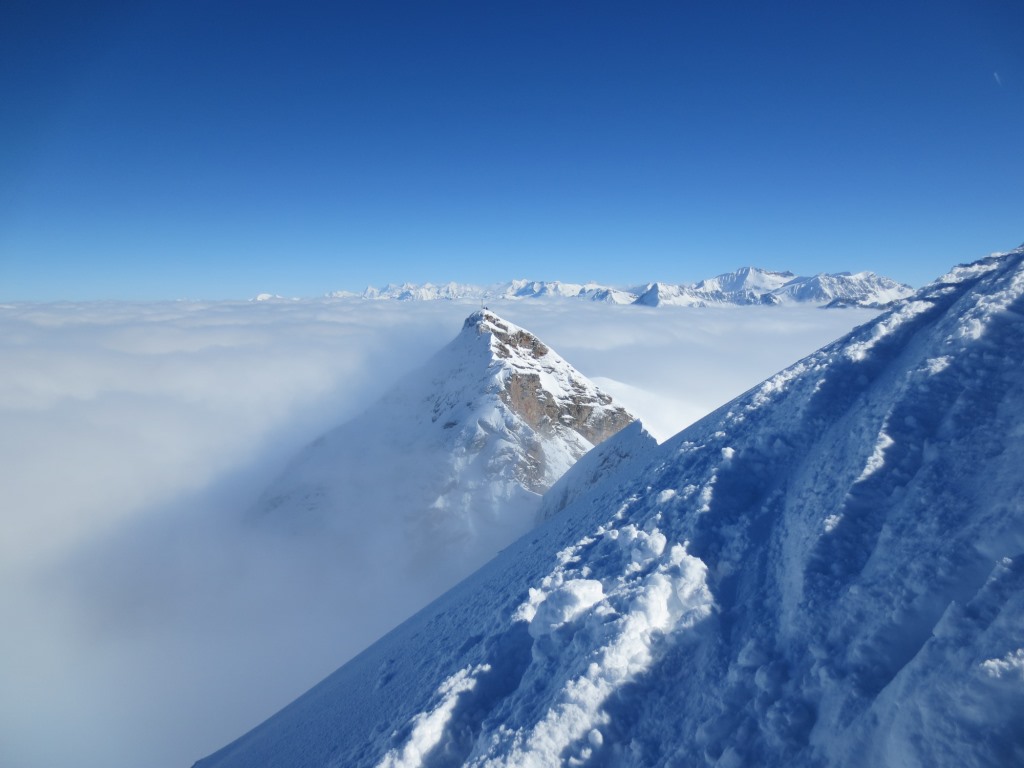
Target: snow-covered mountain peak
x,y
507,336
745,279
562,409
509,342
865,289
447,467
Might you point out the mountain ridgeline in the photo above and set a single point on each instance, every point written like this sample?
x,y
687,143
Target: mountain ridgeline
x,y
826,571
745,286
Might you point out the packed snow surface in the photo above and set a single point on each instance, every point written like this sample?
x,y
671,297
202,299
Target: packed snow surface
x,y
828,570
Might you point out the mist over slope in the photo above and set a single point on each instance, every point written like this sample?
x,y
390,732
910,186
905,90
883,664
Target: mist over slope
x,y
448,467
828,570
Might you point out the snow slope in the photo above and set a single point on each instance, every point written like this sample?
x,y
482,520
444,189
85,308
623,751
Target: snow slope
x,y
448,466
828,570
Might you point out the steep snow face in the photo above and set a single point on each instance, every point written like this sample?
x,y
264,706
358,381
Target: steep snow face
x,y
447,468
828,570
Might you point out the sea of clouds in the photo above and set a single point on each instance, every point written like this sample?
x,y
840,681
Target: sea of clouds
x,y
145,622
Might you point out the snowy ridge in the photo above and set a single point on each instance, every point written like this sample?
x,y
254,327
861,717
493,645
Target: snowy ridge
x,y
829,570
748,285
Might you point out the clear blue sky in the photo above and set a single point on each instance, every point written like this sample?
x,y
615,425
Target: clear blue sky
x,y
220,149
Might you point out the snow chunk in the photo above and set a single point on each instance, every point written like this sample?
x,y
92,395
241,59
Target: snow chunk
x,y
877,458
672,598
429,727
565,604
1011,665
934,365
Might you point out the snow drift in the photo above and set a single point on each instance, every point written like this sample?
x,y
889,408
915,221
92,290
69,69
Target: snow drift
x,y
828,570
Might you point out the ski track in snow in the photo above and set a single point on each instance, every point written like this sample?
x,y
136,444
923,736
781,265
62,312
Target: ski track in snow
x,y
827,571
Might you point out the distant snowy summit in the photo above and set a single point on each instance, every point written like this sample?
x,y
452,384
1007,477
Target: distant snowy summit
x,y
746,286
510,291
749,285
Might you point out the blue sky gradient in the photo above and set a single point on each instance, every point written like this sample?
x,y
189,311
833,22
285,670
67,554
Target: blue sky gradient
x,y
216,150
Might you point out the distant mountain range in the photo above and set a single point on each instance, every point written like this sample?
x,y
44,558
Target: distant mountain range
x,y
745,286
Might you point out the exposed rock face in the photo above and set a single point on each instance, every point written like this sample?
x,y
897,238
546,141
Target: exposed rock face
x,y
554,400
456,454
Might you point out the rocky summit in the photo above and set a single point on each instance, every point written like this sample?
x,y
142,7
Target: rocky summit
x,y
553,399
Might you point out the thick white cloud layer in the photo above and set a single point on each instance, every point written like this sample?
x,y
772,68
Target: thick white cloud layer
x,y
142,621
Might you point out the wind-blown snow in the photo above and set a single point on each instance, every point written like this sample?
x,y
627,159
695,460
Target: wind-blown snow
x,y
828,570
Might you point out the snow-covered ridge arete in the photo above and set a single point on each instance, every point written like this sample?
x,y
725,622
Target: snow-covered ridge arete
x,y
748,285
827,571
448,466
